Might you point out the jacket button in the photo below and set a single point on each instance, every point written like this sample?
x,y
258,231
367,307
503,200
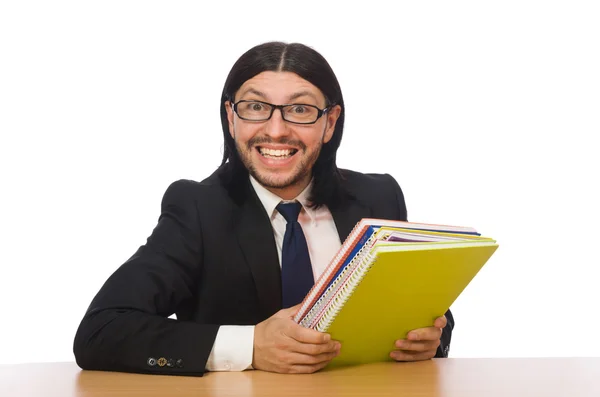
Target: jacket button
x,y
151,361
170,363
179,363
162,362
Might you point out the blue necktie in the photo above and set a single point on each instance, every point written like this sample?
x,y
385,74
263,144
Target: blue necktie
x,y
296,270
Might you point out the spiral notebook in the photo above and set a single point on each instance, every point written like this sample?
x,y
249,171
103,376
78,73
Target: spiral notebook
x,y
355,242
388,279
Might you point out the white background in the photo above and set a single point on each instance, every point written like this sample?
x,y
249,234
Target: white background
x,y
487,114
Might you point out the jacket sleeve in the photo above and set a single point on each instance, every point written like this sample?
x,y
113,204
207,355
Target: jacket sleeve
x,y
126,328
444,347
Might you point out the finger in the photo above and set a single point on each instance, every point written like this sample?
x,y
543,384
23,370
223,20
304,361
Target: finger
x,y
306,369
440,322
306,335
316,349
430,333
307,359
400,355
417,346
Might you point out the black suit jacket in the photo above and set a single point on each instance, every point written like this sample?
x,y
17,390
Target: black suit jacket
x,y
212,260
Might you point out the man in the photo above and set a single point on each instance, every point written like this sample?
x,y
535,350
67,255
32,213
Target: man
x,y
219,256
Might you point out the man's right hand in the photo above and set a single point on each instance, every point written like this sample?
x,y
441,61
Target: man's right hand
x,y
281,345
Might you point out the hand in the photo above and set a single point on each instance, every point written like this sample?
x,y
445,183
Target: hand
x,y
421,343
281,345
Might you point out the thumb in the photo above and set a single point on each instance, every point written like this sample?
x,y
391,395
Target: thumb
x,y
290,312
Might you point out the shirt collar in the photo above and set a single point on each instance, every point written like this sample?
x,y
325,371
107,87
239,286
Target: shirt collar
x,y
270,200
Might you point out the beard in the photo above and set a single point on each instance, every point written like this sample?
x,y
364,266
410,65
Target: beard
x,y
301,171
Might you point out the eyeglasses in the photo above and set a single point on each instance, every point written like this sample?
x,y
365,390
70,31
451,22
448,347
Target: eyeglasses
x,y
296,113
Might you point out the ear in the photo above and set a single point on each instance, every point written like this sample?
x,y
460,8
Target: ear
x,y
230,118
332,115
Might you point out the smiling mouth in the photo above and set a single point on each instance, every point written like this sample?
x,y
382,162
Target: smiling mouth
x,y
279,154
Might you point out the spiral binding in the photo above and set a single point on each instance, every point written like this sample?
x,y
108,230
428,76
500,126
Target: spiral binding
x,y
342,297
342,253
315,313
308,318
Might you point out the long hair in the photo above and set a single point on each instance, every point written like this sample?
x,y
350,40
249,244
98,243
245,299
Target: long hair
x,y
311,66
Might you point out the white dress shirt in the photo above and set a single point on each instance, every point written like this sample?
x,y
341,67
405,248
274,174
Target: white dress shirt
x,y
234,345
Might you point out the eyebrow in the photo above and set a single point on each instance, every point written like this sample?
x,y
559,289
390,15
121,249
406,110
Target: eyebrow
x,y
301,94
297,95
255,92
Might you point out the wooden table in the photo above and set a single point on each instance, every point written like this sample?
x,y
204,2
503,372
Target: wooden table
x,y
460,377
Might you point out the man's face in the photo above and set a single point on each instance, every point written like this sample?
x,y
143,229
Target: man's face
x,y
279,154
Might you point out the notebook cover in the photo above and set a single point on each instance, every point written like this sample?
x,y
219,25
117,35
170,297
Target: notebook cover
x,y
402,291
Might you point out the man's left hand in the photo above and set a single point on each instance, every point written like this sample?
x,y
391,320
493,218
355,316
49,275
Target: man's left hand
x,y
421,344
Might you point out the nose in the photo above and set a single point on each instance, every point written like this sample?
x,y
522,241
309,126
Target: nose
x,y
276,126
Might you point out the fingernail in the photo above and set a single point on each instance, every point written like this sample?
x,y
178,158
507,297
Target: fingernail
x,y
399,343
413,336
338,345
327,337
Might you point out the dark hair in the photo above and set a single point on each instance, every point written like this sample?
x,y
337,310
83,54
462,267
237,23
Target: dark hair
x,y
311,66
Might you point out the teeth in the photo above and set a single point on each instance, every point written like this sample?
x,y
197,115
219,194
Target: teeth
x,y
275,153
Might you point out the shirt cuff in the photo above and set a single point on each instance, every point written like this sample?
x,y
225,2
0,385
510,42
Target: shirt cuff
x,y
233,349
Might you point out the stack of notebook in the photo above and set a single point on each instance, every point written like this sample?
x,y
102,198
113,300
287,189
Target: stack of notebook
x,y
388,278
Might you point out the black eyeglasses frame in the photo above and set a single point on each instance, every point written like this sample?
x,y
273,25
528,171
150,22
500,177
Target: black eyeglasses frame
x,y
320,112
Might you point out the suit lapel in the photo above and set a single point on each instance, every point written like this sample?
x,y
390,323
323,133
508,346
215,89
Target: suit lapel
x,y
255,235
347,216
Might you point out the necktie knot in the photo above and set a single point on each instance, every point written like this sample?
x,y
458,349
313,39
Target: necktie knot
x,y
289,211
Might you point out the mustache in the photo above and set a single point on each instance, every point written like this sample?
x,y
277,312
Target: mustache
x,y
283,141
